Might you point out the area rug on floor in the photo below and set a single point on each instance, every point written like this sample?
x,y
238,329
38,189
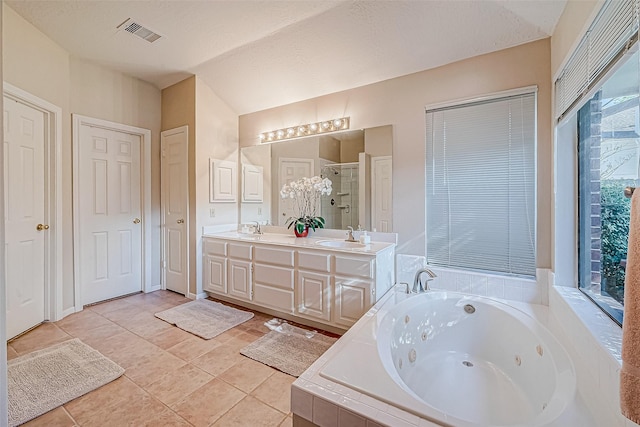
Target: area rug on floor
x,y
204,318
289,349
45,379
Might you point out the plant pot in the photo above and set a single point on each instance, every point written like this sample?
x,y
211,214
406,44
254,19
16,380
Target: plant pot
x,y
304,233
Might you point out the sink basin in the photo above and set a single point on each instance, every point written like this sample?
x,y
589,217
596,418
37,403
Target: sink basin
x,y
341,244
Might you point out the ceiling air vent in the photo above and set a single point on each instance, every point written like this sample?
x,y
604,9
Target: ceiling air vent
x,y
139,30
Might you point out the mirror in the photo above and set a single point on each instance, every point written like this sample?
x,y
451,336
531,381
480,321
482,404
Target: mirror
x,y
358,163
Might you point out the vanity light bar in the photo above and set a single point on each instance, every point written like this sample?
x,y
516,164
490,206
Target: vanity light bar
x,y
316,128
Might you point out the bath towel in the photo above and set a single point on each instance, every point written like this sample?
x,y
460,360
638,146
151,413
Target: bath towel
x,y
630,373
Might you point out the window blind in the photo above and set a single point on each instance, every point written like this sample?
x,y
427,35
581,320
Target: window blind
x,y
481,185
612,33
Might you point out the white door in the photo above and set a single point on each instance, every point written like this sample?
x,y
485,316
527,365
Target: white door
x,y
381,194
291,170
25,225
110,213
175,208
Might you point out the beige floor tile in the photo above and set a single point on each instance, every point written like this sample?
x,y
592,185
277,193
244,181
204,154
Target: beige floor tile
x,y
247,374
174,386
152,367
55,418
208,403
146,325
158,374
11,353
43,336
166,418
82,321
126,348
275,391
169,337
192,347
109,306
288,422
218,360
240,341
251,412
118,403
92,337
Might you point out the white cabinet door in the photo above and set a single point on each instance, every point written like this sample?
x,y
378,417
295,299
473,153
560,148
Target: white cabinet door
x,y
214,274
313,292
239,283
353,299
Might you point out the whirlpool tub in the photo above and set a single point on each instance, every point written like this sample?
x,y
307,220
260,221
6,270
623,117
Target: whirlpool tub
x,y
459,360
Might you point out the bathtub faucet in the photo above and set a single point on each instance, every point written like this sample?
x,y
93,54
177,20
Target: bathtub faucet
x,y
418,287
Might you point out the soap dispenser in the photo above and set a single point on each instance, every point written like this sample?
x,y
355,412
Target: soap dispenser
x,y
365,239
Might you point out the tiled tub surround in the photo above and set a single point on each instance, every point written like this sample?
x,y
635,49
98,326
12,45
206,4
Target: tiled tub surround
x,y
323,402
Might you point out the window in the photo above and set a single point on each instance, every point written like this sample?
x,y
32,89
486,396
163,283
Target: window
x,y
481,185
608,161
600,81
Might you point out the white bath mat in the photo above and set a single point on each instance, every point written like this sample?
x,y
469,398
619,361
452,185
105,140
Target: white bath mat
x,y
289,349
204,318
45,379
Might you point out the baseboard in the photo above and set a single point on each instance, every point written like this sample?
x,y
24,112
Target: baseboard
x,y
154,288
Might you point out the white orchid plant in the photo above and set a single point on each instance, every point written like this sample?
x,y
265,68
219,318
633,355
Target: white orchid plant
x,y
306,193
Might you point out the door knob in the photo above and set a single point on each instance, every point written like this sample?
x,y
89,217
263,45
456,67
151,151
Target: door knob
x,y
180,221
136,221
41,227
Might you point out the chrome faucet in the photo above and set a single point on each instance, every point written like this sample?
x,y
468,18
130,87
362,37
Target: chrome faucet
x,y
350,237
257,229
418,287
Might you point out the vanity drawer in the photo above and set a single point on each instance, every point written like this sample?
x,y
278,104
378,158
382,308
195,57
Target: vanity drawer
x,y
273,276
239,250
314,261
215,247
362,267
268,255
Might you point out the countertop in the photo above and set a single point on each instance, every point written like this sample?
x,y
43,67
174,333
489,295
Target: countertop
x,y
294,242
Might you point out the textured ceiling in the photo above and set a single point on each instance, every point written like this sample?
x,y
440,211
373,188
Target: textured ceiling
x,y
260,54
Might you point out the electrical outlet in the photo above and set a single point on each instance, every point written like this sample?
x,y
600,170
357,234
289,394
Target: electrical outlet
x,y
212,212
259,211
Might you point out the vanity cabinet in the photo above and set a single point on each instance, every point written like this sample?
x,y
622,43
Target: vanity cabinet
x,y
214,264
274,280
239,271
325,286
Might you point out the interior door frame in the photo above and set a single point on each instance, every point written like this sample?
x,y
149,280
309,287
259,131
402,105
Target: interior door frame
x,y
282,160
145,167
163,275
53,295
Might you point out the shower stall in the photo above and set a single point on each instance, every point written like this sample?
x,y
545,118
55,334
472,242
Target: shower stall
x,y
340,208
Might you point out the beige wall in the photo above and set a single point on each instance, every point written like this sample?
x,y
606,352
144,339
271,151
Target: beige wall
x,y
179,109
109,95
376,141
401,102
34,63
217,138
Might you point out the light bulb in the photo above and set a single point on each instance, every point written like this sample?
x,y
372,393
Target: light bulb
x,y
290,131
325,125
262,137
280,133
337,123
271,135
302,130
314,127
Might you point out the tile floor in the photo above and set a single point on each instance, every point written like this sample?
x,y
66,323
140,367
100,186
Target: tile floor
x,y
172,378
